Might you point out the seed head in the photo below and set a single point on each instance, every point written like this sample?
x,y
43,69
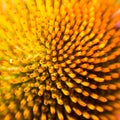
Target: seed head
x,y
59,59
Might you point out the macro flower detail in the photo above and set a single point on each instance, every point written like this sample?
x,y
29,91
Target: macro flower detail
x,y
59,59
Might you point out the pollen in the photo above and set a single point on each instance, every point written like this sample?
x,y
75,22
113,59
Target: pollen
x,y
59,59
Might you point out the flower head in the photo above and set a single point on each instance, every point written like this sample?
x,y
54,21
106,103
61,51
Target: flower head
x,y
59,59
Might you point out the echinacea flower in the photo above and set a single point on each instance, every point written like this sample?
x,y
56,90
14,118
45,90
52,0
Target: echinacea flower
x,y
59,59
